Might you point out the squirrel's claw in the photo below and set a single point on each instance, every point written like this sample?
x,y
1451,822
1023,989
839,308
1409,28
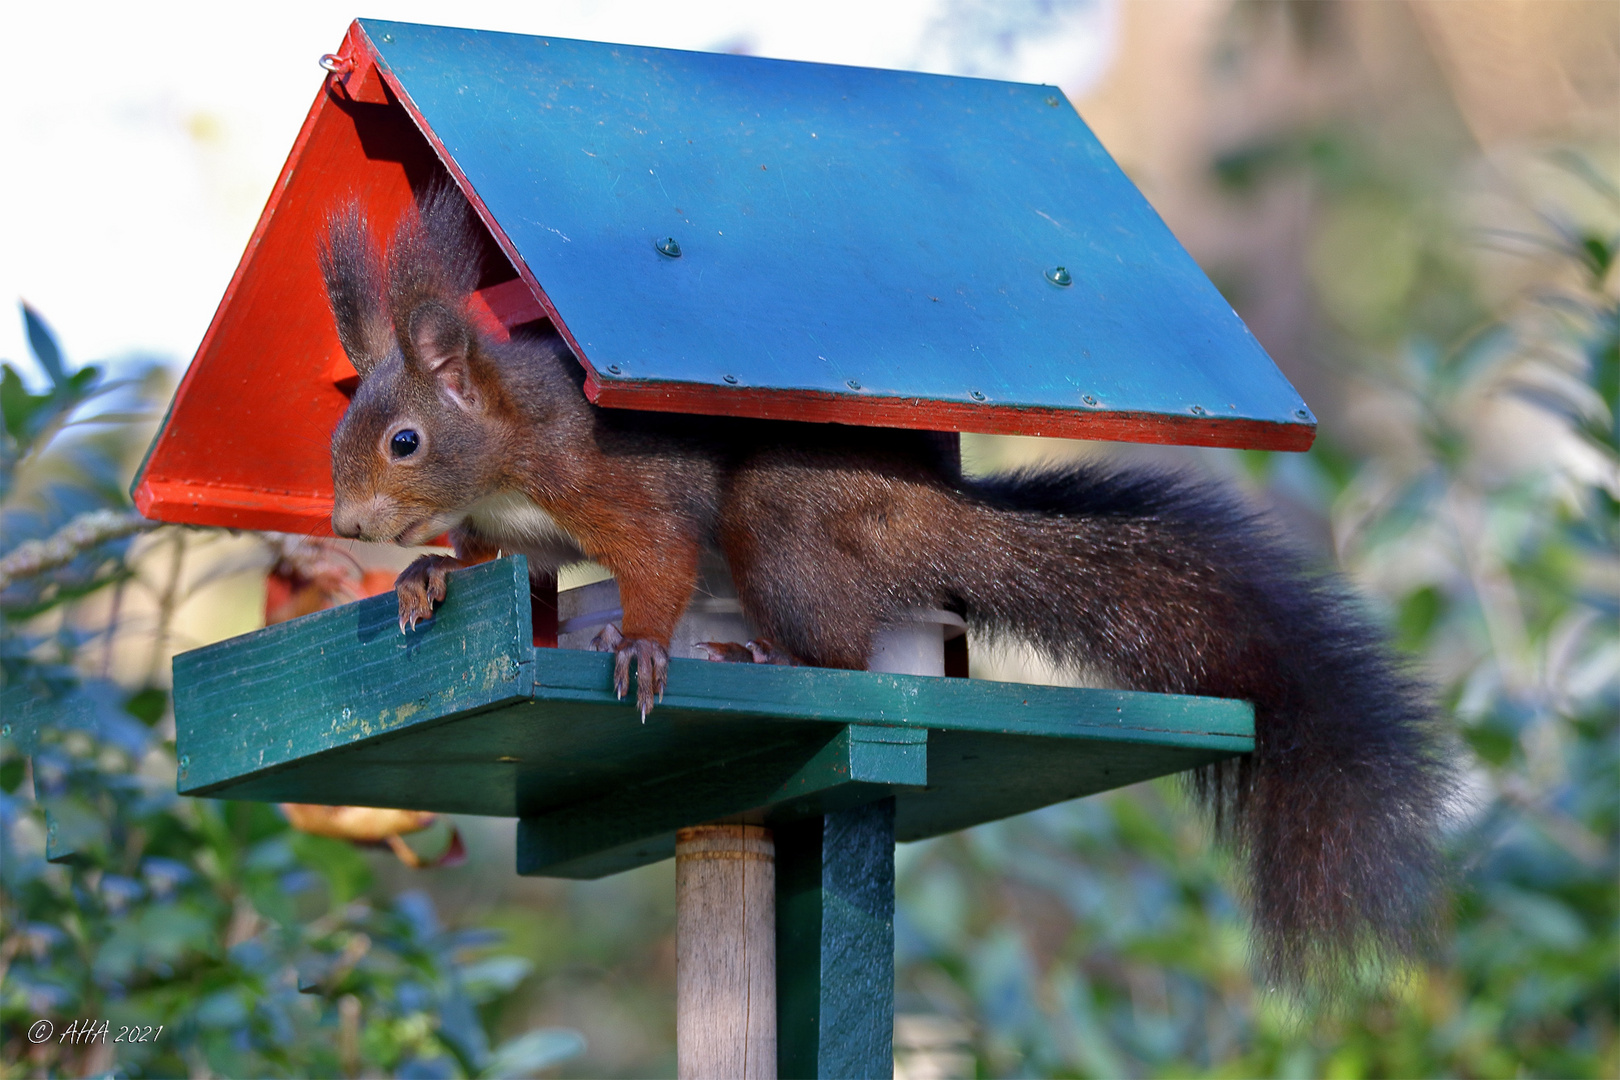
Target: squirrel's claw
x,y
420,586
652,671
764,651
727,652
652,666
607,639
757,651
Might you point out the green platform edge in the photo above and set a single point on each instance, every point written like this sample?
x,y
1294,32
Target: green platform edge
x,y
466,715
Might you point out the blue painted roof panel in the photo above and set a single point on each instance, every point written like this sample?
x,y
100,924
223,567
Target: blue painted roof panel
x,y
845,230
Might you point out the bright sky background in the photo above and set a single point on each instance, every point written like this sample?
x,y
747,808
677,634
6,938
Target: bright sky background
x,y
138,142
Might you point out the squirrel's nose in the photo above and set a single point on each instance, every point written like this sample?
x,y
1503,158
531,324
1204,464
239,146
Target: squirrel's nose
x,y
344,524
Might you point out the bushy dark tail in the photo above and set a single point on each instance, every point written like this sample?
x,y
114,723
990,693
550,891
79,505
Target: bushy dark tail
x,y
1173,587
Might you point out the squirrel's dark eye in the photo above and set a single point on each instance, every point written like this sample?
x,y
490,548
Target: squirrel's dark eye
x,y
404,443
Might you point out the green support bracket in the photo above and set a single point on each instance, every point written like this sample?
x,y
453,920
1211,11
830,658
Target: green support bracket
x,y
629,827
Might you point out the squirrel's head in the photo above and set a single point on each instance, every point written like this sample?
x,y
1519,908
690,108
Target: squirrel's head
x,y
417,445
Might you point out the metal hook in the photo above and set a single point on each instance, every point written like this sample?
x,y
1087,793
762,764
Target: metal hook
x,y
335,64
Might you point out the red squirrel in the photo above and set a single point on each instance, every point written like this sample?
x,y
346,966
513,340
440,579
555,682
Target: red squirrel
x,y
1165,583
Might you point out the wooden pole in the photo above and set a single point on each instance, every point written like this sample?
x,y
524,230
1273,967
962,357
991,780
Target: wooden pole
x,y
725,953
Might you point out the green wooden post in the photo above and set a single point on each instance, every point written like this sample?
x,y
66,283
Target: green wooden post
x,y
835,944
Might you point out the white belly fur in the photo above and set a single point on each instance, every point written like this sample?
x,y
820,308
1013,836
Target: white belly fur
x,y
512,520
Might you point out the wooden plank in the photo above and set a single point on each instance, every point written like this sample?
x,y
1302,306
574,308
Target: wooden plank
x,y
835,944
331,679
929,414
270,360
628,826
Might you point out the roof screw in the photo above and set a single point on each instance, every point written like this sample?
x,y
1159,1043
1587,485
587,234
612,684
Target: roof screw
x,y
615,369
1051,100
1089,399
978,395
1303,414
1059,275
185,763
732,379
388,39
668,246
1197,410
5,731
853,385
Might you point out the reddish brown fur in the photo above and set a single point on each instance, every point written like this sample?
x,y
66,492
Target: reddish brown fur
x,y
831,532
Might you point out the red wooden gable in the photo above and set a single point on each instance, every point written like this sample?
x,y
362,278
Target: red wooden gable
x,y
247,440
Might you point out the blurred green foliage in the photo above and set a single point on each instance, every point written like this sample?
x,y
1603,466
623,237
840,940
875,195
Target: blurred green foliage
x,y
1101,939
1476,509
211,936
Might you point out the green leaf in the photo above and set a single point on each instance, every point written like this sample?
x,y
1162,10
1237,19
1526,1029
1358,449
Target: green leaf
x,y
344,868
11,774
224,1009
83,380
17,405
155,938
534,1051
1599,255
42,342
485,980
1418,614
147,705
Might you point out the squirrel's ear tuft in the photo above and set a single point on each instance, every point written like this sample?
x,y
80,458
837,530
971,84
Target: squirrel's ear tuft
x,y
352,270
433,261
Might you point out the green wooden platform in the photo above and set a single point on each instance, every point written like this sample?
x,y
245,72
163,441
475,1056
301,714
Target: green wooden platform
x,y
464,715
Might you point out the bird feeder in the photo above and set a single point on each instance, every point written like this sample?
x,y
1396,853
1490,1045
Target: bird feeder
x,y
731,236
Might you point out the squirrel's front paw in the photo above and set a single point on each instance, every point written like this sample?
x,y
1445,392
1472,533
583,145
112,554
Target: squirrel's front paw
x,y
652,666
419,586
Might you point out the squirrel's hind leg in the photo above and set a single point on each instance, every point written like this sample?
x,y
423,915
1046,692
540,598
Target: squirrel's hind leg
x,y
811,607
825,550
805,613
